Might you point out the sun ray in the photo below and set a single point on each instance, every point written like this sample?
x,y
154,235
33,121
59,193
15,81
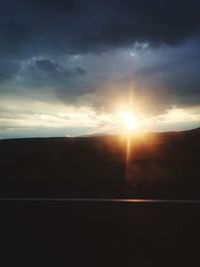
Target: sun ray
x,y
129,120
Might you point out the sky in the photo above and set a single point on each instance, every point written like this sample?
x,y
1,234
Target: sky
x,y
70,68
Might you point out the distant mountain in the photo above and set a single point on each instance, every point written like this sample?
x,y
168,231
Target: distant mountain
x,y
195,131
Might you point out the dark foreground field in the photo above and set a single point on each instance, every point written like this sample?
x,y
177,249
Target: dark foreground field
x,y
99,234
164,165
88,233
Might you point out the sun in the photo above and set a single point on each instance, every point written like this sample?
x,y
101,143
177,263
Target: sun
x,y
129,120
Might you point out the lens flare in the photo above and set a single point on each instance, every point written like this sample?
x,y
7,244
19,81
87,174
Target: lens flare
x,y
129,121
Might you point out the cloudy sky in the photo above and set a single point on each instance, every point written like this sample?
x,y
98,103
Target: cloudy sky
x,y
72,67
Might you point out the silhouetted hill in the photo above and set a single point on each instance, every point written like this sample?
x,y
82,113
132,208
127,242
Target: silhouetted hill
x,y
159,165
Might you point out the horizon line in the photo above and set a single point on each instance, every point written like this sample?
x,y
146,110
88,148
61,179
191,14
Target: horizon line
x,y
108,200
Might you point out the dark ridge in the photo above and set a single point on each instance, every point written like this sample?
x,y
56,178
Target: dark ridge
x,y
161,165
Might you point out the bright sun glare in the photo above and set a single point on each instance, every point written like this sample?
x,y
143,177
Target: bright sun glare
x,y
129,120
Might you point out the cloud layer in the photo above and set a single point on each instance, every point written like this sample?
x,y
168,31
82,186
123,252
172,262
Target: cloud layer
x,y
29,27
96,53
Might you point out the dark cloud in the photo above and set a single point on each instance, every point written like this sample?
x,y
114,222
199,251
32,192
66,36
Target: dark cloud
x,y
80,71
7,69
13,38
56,70
47,65
42,31
80,26
177,71
30,28
41,74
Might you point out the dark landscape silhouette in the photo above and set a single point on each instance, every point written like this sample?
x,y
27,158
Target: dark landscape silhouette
x,y
81,233
160,165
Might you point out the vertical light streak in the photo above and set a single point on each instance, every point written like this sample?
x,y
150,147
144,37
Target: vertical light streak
x,y
128,157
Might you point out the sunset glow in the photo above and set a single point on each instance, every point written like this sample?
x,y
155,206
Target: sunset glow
x,y
129,120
